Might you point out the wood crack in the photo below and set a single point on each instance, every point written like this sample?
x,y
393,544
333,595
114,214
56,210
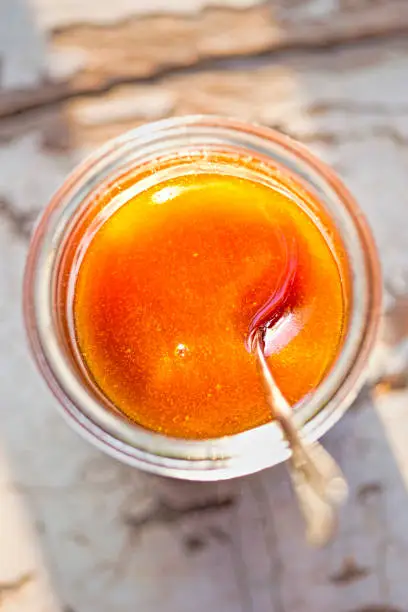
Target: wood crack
x,y
165,514
357,108
14,586
349,572
50,94
272,543
20,222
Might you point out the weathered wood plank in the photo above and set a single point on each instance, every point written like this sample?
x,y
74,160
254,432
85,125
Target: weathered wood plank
x,y
90,58
332,103
361,568
111,537
140,48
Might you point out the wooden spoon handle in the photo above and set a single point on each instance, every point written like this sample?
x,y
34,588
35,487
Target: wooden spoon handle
x,y
320,470
319,515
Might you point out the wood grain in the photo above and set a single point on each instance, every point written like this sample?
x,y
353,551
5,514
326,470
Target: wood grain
x,y
93,534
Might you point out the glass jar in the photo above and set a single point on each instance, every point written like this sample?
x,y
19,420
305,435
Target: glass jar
x,y
46,288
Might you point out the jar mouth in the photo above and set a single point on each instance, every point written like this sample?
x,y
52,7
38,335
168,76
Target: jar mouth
x,y
236,454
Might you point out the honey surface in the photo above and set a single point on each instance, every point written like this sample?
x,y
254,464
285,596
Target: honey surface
x,y
170,285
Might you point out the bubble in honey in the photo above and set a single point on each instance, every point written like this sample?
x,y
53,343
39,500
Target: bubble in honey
x,y
181,351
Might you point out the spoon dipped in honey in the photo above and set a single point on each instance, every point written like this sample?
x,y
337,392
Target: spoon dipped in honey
x,y
317,479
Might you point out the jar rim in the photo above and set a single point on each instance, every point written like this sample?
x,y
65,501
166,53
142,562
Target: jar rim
x,y
237,454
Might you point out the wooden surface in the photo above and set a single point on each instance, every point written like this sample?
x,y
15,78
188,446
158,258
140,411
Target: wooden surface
x,y
78,531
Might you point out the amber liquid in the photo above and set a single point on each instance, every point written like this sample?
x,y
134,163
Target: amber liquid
x,y
173,282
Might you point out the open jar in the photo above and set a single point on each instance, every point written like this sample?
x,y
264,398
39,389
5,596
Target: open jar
x,y
149,153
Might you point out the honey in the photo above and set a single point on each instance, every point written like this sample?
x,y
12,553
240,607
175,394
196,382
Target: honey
x,y
171,284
